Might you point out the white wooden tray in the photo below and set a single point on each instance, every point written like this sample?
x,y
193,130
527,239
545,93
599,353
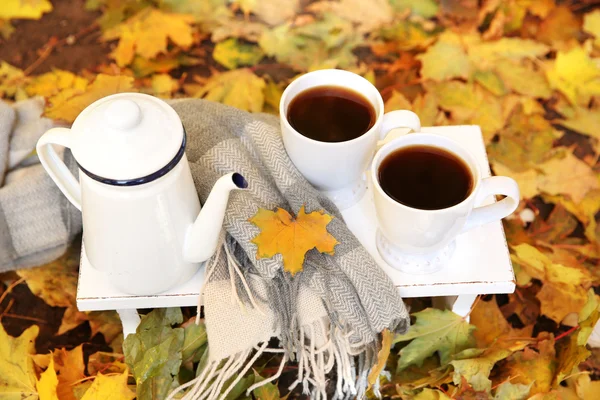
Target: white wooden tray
x,y
480,265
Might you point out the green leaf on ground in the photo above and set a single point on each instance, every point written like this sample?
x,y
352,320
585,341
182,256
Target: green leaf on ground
x,y
435,331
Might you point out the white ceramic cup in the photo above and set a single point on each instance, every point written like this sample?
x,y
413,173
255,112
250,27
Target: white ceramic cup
x,y
337,169
422,241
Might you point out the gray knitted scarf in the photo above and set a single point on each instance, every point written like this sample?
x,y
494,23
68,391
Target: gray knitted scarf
x,y
328,316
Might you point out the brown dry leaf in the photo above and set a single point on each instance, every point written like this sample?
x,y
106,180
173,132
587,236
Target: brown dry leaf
x,y
574,351
24,9
558,26
147,34
524,305
109,325
491,324
368,15
239,88
564,289
382,356
70,368
272,12
567,175
106,363
281,234
68,108
142,67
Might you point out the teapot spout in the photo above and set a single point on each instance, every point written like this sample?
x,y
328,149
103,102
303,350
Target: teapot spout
x,y
203,238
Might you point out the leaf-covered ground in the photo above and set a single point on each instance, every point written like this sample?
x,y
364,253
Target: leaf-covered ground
x,y
526,71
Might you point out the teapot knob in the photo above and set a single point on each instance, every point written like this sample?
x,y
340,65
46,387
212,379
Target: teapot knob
x,y
123,114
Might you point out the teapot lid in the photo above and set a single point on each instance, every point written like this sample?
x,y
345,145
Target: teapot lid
x,y
127,139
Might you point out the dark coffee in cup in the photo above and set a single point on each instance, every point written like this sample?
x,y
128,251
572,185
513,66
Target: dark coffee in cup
x,y
331,114
425,177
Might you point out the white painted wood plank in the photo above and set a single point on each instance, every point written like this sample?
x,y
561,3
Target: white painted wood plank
x,y
480,265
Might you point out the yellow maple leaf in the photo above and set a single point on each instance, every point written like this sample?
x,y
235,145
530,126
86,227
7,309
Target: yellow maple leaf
x,y
530,366
17,372
382,356
112,387
239,88
591,24
446,59
48,383
67,106
50,83
472,104
30,9
576,75
147,34
584,121
11,81
163,85
523,79
281,234
485,53
70,368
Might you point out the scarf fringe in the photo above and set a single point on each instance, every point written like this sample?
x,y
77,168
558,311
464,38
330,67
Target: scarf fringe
x,y
351,365
352,361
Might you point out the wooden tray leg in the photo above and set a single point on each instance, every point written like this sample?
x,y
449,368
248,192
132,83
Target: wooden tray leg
x,y
130,320
460,305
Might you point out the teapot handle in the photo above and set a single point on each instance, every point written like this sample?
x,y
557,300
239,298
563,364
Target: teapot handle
x,y
55,167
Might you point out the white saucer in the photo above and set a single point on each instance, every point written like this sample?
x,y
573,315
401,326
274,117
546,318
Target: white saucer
x,y
480,262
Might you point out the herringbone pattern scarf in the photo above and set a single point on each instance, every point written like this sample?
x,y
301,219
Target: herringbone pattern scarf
x,y
327,317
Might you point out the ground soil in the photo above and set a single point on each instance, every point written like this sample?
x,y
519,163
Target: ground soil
x,y
69,22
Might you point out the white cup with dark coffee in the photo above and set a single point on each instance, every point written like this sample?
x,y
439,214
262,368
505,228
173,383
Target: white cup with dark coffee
x,y
427,190
331,121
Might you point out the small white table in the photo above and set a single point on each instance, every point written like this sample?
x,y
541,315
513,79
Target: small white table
x,y
480,265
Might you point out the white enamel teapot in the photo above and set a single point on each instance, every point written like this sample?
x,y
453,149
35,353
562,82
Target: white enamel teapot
x,y
141,213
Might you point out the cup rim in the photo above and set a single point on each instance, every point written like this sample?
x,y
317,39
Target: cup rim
x,y
472,163
291,86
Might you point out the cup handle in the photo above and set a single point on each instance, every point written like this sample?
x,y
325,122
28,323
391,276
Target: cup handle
x,y
399,119
55,167
493,212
